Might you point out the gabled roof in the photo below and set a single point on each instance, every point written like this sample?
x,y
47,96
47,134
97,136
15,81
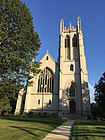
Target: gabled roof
x,y
47,53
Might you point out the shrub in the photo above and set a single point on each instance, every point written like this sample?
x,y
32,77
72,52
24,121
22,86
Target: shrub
x,y
45,114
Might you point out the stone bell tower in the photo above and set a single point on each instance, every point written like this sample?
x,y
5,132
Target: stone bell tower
x,y
74,95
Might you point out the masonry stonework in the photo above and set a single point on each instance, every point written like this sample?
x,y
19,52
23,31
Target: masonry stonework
x,y
61,87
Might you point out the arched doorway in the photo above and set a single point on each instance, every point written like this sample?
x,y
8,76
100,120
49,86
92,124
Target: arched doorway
x,y
72,106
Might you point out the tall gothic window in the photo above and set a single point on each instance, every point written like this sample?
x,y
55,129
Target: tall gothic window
x,y
74,41
67,47
72,90
45,81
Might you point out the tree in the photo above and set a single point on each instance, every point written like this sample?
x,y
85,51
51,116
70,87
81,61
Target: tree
x,y
95,110
19,45
100,94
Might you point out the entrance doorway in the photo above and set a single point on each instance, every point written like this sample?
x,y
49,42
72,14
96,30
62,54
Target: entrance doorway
x,y
72,106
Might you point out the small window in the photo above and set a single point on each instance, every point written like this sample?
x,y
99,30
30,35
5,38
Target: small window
x,y
47,58
49,102
71,67
38,102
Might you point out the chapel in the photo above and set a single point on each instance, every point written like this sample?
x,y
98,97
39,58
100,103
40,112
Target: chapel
x,y
61,87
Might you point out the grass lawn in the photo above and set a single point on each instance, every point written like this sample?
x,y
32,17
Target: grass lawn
x,y
89,130
26,128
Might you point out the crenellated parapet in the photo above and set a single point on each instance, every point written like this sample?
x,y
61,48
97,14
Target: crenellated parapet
x,y
70,28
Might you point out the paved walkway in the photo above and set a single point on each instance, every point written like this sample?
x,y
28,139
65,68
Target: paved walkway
x,y
63,132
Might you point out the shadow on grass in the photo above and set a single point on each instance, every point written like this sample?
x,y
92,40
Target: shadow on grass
x,y
93,135
28,130
94,130
54,122
102,128
24,129
90,122
84,129
87,133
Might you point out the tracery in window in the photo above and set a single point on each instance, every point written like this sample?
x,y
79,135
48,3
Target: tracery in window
x,y
67,47
45,81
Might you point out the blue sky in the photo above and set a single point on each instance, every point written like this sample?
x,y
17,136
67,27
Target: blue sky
x,y
46,17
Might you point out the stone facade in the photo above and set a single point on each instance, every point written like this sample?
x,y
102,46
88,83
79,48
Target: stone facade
x,y
61,87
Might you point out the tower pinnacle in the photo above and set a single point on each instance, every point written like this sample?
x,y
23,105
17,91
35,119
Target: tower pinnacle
x,y
79,23
61,25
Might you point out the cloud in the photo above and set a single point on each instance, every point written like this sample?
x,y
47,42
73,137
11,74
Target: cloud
x,y
91,93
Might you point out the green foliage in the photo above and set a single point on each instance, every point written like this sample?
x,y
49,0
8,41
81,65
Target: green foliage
x,y
100,95
19,44
5,105
95,109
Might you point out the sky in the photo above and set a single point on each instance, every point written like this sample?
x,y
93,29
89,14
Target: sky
x,y
46,17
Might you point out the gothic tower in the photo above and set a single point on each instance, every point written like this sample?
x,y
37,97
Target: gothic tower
x,y
73,77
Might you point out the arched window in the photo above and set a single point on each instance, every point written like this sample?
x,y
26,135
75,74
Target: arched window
x,y
74,41
71,67
45,81
67,47
72,90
